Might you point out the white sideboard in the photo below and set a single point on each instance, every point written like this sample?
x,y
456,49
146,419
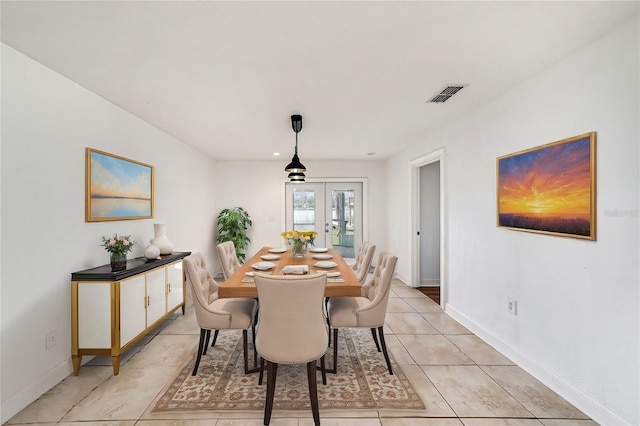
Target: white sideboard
x,y
112,310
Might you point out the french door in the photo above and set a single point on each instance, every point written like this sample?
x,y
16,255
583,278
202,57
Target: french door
x,y
332,209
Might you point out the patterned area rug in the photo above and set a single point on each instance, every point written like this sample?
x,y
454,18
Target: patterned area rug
x,y
362,382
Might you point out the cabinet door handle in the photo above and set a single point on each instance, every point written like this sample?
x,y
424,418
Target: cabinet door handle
x,y
147,300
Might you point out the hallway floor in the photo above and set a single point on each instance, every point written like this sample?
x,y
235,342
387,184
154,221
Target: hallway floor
x,y
461,379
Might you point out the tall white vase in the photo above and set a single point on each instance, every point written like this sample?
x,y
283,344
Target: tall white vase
x,y
161,241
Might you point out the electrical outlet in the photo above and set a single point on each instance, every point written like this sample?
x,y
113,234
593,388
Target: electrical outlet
x,y
50,339
512,306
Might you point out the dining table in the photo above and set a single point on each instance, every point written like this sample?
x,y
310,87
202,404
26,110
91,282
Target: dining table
x,y
341,280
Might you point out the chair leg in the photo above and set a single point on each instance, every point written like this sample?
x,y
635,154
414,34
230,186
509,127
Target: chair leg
x,y
203,333
313,391
206,343
253,337
326,309
323,369
272,370
375,338
215,337
245,350
261,371
334,370
384,349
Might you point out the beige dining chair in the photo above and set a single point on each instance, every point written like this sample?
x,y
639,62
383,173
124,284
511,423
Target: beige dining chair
x,y
213,313
291,329
363,261
368,310
228,258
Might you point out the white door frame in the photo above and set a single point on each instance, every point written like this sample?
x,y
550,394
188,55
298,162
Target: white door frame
x,y
414,222
365,199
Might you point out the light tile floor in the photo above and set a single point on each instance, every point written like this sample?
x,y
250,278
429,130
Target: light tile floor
x,y
462,380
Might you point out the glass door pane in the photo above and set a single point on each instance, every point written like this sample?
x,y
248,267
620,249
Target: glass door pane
x,y
344,201
305,209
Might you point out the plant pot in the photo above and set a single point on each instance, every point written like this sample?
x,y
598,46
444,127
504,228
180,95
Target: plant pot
x,y
118,262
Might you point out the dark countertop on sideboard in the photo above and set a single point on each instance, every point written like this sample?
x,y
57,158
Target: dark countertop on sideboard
x,y
134,266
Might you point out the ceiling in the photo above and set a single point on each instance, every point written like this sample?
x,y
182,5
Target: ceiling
x,y
225,77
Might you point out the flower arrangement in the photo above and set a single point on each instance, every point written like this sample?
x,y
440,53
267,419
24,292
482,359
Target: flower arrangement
x,y
118,246
302,236
298,240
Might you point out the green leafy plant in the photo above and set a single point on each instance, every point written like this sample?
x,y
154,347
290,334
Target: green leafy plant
x,y
232,226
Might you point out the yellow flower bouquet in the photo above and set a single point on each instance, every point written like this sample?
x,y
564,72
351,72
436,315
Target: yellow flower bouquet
x,y
299,240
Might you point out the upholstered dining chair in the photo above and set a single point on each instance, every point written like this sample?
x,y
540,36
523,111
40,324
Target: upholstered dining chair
x,y
363,261
368,310
291,329
213,313
361,266
228,258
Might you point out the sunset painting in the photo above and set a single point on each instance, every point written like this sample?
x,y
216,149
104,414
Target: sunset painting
x,y
550,189
117,188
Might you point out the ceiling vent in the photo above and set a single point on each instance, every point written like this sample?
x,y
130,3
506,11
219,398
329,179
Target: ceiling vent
x,y
446,93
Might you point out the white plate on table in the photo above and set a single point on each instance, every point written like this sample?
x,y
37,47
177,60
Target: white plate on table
x,y
333,274
322,256
318,249
326,264
250,273
269,257
263,266
277,250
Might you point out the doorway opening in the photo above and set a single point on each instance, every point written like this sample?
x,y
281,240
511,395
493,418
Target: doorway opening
x,y
427,259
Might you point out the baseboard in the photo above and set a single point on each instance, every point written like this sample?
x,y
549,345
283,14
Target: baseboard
x,y
401,278
566,390
35,390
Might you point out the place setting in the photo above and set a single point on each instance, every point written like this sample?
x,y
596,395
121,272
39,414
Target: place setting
x,y
318,249
259,267
322,256
279,250
270,257
263,268
325,264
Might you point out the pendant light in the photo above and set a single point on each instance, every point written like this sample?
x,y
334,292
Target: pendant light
x,y
295,168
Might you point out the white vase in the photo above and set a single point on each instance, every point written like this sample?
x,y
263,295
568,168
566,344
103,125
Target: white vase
x,y
152,252
161,241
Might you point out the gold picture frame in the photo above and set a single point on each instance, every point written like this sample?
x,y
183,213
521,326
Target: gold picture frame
x,y
117,188
550,189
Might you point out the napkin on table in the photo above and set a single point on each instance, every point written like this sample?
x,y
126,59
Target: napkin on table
x,y
295,269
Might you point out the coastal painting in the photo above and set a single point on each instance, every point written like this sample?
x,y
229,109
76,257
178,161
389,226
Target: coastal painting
x,y
550,189
117,188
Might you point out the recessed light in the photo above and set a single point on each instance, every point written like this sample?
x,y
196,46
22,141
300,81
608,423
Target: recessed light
x,y
276,154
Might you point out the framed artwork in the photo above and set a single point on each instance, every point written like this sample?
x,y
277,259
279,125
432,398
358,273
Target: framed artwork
x,y
550,189
117,188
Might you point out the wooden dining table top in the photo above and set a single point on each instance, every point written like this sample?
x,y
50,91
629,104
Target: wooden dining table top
x,y
241,285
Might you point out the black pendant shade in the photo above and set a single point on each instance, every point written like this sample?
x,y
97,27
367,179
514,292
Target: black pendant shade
x,y
295,167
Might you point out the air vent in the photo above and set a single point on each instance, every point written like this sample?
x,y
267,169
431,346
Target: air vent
x,y
446,93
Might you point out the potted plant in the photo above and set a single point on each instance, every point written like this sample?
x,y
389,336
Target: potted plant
x,y
118,247
232,226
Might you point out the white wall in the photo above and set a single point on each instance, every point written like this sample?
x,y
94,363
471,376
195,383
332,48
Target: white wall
x,y
577,327
47,122
263,197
